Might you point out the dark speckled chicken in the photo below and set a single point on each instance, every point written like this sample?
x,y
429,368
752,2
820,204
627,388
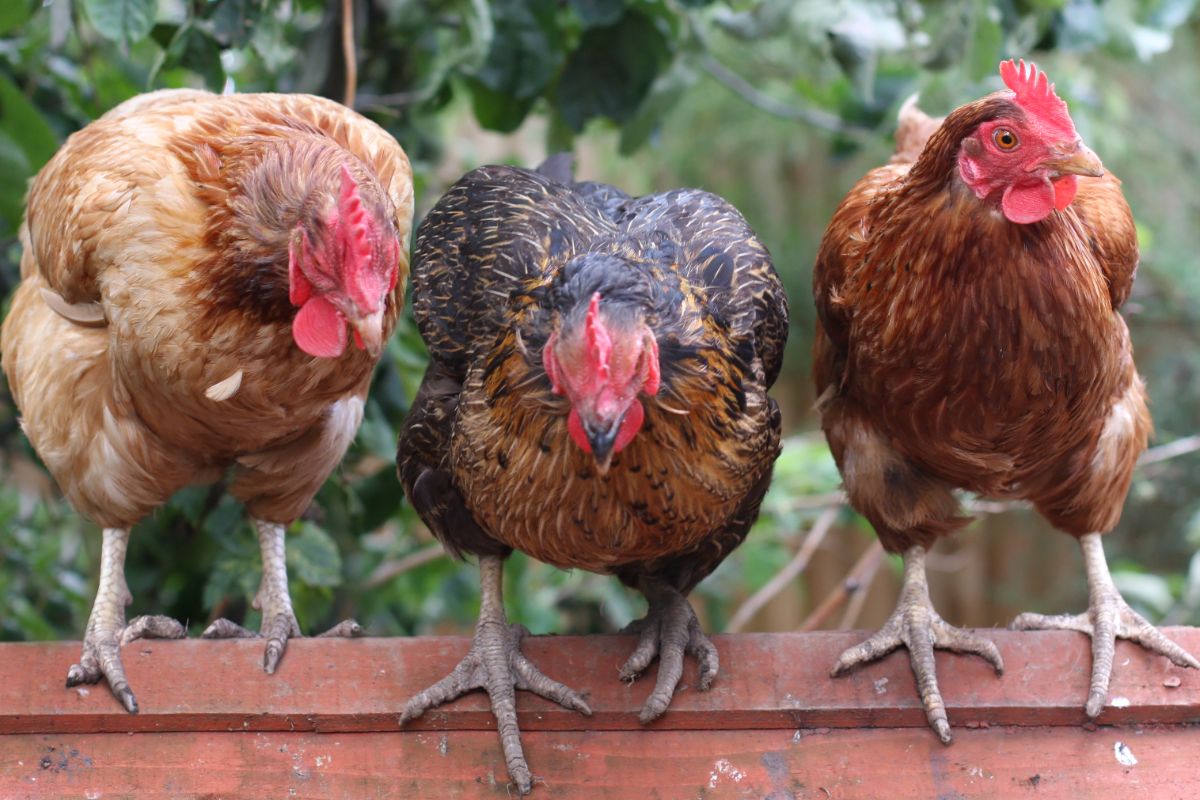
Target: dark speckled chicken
x,y
597,398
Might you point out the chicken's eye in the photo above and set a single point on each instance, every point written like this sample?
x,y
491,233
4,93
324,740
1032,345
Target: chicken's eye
x,y
1005,139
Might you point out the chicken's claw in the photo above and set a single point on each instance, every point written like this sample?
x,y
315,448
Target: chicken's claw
x,y
916,626
276,630
107,630
669,630
496,664
1108,618
278,619
101,656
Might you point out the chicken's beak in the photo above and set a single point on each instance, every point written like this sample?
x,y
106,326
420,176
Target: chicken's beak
x,y
1075,158
601,437
369,330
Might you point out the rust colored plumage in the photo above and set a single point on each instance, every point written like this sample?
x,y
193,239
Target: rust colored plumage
x,y
969,338
958,350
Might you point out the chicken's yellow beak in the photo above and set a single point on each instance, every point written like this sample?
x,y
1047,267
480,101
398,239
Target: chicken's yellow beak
x,y
369,330
1075,158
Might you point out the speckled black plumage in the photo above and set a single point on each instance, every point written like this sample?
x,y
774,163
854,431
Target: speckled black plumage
x,y
501,259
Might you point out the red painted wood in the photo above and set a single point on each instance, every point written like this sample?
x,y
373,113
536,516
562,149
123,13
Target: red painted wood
x,y
1063,763
766,682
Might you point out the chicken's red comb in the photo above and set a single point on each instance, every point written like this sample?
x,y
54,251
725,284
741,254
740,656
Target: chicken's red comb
x,y
599,343
353,215
1035,94
355,238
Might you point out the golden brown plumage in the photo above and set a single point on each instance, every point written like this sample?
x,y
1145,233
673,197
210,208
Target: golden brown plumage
x,y
962,346
597,397
153,341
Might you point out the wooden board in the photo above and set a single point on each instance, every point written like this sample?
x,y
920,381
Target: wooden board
x,y
1043,763
766,681
774,725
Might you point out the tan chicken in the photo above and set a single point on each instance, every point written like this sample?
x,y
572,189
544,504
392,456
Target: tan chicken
x,y
193,266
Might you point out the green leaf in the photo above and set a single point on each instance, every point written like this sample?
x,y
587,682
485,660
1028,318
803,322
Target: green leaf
x,y
14,171
611,71
1144,590
231,576
25,125
598,12
234,21
664,94
313,557
271,44
987,43
196,50
496,110
14,13
523,56
122,21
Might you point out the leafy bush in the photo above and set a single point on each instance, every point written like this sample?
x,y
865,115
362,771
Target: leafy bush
x,y
658,92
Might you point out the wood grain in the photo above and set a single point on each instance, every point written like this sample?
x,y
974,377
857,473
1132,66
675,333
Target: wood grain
x,y
1040,762
766,682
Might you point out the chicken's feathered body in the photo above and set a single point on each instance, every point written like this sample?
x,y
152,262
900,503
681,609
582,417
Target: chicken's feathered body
x,y
969,338
988,355
150,343
495,248
505,263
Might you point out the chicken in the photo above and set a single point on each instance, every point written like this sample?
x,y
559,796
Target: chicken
x,y
191,265
969,339
597,398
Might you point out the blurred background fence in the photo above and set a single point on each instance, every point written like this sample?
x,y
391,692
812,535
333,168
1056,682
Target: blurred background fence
x,y
778,106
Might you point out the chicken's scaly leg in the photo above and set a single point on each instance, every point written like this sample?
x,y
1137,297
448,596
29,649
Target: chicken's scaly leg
x,y
915,625
106,628
1108,616
278,618
496,665
669,630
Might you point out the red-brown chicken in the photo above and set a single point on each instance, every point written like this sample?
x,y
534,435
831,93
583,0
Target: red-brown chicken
x,y
191,266
969,339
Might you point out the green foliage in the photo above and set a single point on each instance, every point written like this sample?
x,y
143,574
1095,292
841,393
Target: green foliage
x,y
122,21
778,105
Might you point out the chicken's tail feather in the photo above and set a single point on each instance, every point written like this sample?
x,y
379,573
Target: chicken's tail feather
x,y
558,167
913,129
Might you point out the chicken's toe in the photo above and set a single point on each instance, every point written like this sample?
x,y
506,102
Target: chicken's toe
x,y
277,629
669,631
496,665
228,629
102,653
347,629
915,625
1107,619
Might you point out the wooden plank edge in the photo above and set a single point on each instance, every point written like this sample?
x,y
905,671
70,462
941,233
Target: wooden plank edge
x,y
767,682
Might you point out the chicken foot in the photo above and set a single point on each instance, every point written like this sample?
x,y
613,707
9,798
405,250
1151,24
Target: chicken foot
x,y
1108,617
915,625
496,665
278,619
107,631
669,630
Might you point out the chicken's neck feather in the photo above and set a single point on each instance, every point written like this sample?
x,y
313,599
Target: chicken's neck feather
x,y
259,189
